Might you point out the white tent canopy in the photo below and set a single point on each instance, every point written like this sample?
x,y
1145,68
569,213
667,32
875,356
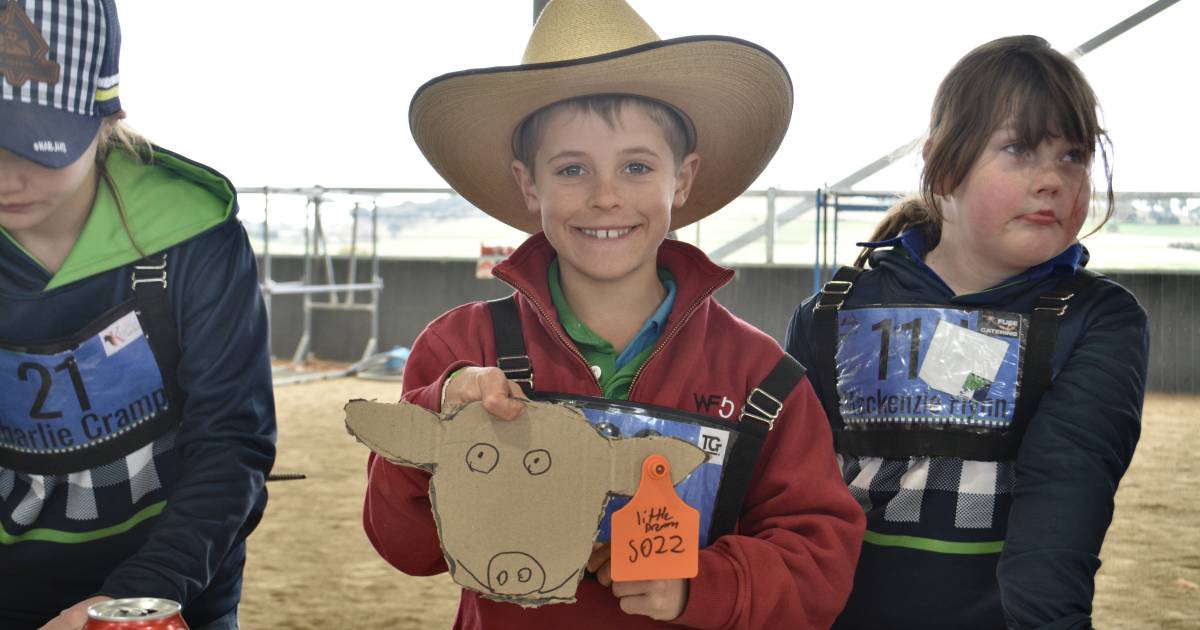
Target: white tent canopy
x,y
311,92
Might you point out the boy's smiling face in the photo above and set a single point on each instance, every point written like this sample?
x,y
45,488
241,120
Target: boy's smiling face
x,y
605,193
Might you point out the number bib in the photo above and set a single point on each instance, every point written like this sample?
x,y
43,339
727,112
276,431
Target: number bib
x,y
928,366
84,401
619,419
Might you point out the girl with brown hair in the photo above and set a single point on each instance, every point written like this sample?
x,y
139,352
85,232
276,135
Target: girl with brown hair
x,y
984,389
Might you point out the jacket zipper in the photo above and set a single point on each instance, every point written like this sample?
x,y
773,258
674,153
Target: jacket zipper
x,y
569,346
687,315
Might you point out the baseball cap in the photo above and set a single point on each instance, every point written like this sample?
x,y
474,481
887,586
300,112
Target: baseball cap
x,y
58,76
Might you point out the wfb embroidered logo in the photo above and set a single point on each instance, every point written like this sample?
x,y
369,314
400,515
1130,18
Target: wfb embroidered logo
x,y
24,53
722,404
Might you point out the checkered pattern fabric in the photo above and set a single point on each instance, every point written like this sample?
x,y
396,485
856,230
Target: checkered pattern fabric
x,y
58,76
940,493
93,497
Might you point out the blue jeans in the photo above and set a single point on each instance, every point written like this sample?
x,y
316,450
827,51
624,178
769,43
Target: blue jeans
x,y
227,622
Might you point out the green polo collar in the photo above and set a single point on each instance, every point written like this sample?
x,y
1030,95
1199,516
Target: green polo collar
x,y
599,353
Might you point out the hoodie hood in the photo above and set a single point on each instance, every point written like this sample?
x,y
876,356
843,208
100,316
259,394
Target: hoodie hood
x,y
908,277
167,200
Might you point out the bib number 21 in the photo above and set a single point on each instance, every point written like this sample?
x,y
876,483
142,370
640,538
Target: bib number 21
x,y
31,372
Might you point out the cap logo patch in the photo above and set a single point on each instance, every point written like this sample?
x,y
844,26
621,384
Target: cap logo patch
x,y
24,53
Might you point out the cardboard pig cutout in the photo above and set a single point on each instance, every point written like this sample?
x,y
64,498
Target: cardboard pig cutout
x,y
517,503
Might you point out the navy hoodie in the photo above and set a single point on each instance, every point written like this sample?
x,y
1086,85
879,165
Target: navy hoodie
x,y
178,530
1052,505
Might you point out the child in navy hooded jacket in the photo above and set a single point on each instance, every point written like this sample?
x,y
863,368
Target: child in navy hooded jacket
x,y
985,390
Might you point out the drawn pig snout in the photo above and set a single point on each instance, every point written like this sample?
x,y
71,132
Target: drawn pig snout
x,y
515,573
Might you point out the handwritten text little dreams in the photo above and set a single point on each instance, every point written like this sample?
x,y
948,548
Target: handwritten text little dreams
x,y
653,521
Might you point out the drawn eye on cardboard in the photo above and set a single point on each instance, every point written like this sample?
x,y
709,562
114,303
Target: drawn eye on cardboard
x,y
537,461
517,503
482,458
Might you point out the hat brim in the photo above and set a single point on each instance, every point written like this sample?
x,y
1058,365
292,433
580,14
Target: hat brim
x,y
737,95
43,135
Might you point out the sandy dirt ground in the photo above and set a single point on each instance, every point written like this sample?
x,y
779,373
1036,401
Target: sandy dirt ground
x,y
311,566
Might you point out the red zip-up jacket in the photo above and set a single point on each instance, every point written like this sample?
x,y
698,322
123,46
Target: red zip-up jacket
x,y
791,561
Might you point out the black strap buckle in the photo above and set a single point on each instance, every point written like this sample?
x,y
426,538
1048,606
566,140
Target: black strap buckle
x,y
837,287
765,411
149,273
834,293
518,369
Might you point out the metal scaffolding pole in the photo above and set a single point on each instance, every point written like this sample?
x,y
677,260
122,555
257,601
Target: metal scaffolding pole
x,y
1119,28
757,232
318,258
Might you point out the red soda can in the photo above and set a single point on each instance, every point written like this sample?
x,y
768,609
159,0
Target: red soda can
x,y
135,613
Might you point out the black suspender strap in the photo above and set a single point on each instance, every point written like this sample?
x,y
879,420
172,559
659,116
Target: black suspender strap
x,y
510,342
762,408
825,329
149,283
1039,348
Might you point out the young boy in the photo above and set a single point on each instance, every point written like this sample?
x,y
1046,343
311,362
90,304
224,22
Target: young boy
x,y
610,129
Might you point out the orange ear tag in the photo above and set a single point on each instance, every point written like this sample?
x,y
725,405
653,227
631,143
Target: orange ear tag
x,y
656,536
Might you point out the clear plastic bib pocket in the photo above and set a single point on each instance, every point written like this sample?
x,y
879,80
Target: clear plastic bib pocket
x,y
929,367
622,419
79,402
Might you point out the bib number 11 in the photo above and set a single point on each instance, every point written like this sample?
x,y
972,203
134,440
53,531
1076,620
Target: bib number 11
x,y
913,328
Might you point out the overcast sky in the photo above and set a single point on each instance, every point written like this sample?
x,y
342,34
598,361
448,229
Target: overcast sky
x,y
298,92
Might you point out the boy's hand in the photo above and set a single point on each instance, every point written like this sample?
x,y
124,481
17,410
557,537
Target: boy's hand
x,y
598,563
499,395
663,600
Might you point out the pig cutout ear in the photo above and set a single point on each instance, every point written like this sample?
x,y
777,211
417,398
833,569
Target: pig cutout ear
x,y
630,453
402,433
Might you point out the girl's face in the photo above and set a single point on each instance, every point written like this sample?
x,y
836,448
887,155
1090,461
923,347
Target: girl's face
x,y
35,200
1019,205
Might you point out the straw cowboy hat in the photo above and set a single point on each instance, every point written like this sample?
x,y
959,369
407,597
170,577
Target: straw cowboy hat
x,y
736,95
